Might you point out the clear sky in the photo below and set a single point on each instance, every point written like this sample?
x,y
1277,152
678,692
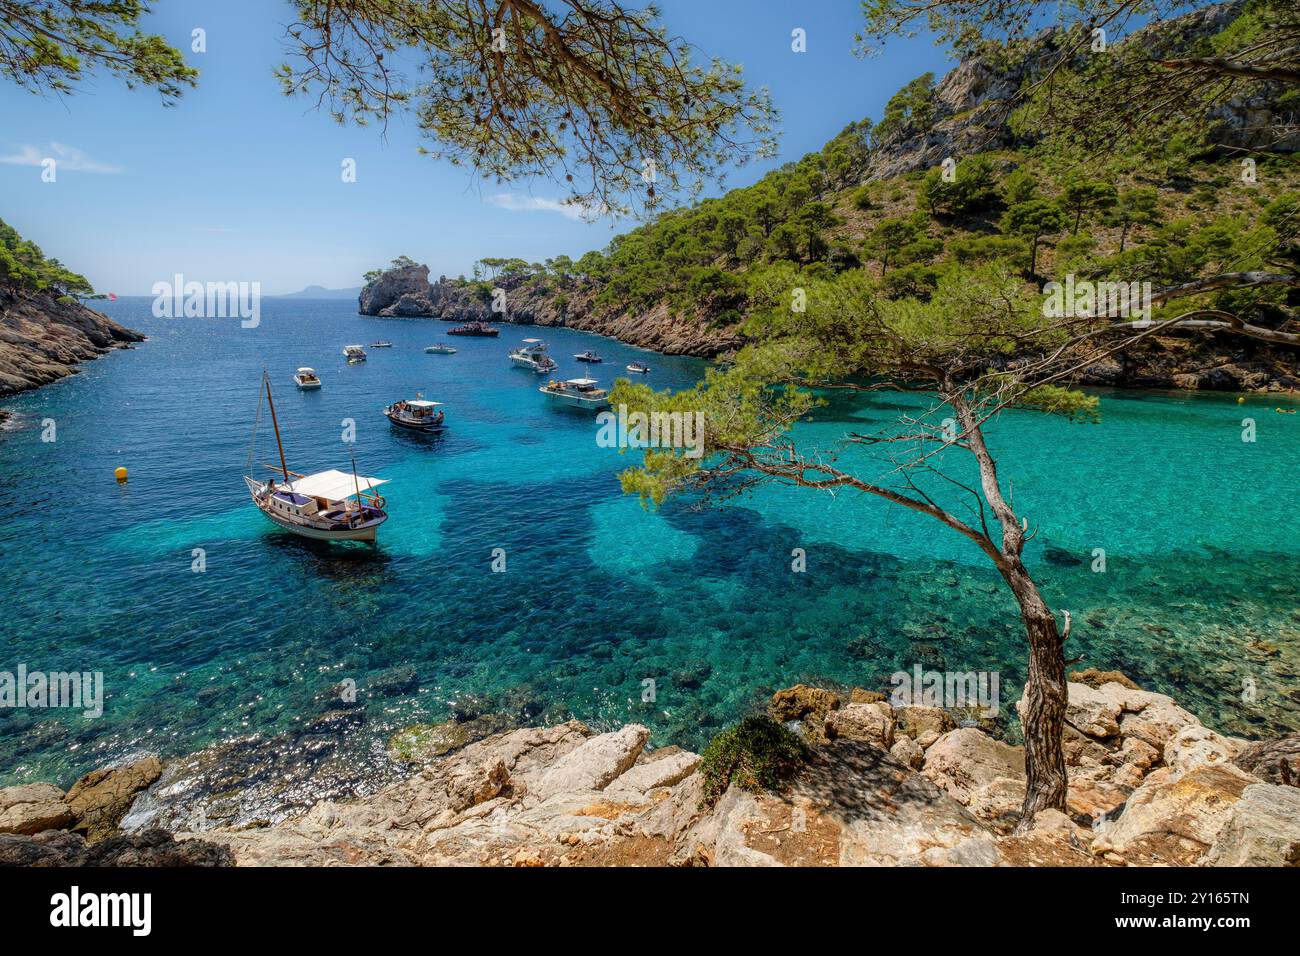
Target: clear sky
x,y
239,183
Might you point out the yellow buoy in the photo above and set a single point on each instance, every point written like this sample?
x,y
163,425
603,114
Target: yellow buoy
x,y
1241,399
119,473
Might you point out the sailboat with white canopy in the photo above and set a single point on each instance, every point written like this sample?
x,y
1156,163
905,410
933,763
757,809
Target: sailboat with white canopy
x,y
327,506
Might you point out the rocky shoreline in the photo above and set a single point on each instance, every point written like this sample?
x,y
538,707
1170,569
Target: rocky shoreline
x,y
43,338
873,784
406,292
1215,362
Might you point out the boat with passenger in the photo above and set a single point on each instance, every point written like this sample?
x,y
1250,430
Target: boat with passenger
x,y
381,345
326,506
440,348
588,356
306,379
354,353
532,355
417,414
576,392
476,329
639,368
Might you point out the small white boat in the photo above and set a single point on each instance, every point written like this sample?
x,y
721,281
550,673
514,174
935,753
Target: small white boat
x,y
326,506
381,345
577,392
639,367
532,355
306,379
417,414
440,349
354,353
588,356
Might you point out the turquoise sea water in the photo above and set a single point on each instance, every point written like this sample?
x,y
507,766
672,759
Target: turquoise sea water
x,y
1200,530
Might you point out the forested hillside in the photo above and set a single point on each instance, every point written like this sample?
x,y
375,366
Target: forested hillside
x,y
895,206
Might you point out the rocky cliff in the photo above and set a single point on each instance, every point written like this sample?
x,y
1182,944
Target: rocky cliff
x,y
407,293
875,785
973,103
43,338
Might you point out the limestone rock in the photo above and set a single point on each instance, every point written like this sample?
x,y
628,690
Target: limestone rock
x,y
391,286
963,760
853,805
101,798
810,705
1276,761
595,763
908,752
43,339
1263,829
1158,720
1174,817
1095,678
998,802
860,696
925,725
1196,745
423,742
33,807
148,848
1092,711
873,723
652,774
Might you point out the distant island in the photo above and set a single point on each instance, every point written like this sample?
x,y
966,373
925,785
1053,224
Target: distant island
x,y
320,292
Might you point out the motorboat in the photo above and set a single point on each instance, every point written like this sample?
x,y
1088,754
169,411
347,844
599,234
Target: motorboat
x,y
588,356
639,367
577,392
532,355
326,506
475,328
381,345
440,349
417,414
354,353
306,379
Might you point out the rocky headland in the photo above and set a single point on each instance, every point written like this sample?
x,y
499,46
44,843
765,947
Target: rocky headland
x,y
1215,362
825,778
44,337
406,292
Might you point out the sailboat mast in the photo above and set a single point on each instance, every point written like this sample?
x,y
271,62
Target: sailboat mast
x,y
266,380
355,483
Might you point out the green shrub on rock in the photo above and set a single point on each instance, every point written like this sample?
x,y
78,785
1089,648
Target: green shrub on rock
x,y
756,754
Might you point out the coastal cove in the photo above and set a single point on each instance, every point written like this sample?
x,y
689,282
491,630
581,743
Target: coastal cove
x,y
1200,592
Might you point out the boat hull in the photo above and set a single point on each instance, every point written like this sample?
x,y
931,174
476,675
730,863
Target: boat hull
x,y
367,533
533,366
307,386
426,428
570,401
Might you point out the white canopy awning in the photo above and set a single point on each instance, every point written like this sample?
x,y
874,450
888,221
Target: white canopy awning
x,y
422,403
581,381
334,485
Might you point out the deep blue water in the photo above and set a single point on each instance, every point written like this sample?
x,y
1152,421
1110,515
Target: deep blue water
x,y
1201,589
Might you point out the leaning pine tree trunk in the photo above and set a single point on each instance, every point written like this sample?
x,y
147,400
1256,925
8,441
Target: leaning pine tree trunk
x,y
1043,708
1042,711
